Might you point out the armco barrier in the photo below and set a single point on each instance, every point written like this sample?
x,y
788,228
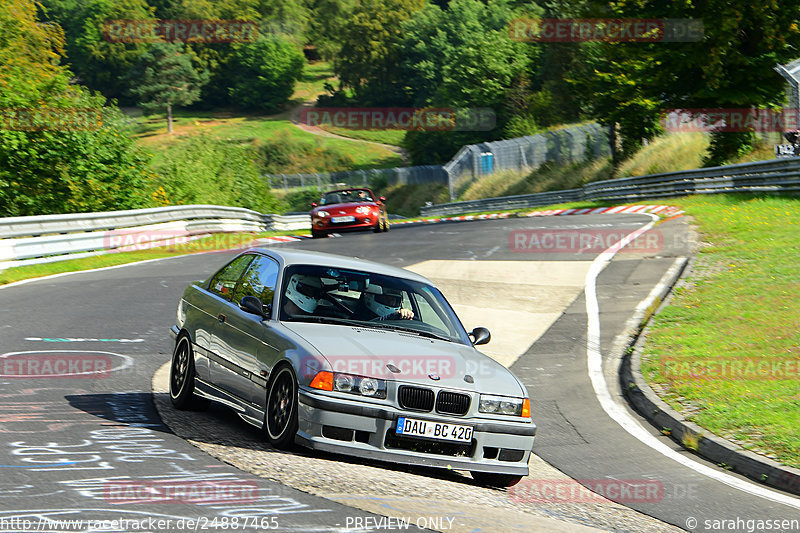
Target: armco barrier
x,y
775,176
25,238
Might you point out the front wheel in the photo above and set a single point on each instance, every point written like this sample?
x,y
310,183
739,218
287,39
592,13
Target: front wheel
x,y
488,479
280,420
181,378
317,234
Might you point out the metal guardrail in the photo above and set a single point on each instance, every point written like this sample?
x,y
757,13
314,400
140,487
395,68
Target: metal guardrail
x,y
773,176
26,238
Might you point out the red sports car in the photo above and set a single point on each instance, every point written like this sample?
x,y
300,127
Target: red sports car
x,y
348,210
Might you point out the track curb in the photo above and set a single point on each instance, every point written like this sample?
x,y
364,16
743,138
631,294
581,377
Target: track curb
x,y
657,209
711,447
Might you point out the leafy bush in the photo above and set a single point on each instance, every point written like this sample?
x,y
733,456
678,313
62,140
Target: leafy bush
x,y
77,156
204,170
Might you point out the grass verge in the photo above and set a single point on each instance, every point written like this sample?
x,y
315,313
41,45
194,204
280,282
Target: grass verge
x,y
725,351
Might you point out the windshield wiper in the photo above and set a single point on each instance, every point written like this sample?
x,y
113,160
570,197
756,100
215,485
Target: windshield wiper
x,y
411,330
373,325
326,320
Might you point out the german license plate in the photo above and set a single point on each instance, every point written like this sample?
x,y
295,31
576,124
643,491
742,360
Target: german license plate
x,y
411,427
337,220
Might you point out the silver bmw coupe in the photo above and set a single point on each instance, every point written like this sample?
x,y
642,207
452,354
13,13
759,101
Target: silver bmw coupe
x,y
353,357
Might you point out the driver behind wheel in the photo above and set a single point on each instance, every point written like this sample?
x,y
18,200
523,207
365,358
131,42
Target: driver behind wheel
x,y
302,295
382,303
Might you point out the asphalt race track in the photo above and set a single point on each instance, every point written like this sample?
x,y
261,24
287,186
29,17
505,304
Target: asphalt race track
x,y
81,439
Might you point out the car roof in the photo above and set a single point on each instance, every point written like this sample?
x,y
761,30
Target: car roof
x,y
304,257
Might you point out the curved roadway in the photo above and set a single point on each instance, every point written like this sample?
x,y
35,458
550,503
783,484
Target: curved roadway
x,y
82,442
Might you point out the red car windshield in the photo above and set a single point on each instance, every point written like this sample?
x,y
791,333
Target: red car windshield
x,y
349,196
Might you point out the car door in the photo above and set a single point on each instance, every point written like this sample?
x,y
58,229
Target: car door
x,y
203,309
243,337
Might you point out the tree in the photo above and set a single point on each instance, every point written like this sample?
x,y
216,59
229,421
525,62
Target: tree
x,y
99,61
369,52
166,78
78,155
462,57
261,75
731,67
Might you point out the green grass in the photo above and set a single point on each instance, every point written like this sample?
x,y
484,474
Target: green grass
x,y
740,306
312,84
549,177
667,153
210,243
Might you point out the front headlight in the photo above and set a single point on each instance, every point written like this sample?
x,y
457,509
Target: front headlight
x,y
504,405
364,386
362,209
322,214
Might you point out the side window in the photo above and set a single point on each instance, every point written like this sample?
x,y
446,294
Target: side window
x,y
258,281
224,282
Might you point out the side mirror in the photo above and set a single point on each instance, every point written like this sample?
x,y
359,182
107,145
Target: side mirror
x,y
382,198
313,204
251,304
480,336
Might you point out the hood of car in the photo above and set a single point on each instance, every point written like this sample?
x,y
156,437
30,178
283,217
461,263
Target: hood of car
x,y
416,359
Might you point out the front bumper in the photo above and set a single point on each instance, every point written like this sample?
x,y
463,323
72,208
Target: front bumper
x,y
364,430
360,223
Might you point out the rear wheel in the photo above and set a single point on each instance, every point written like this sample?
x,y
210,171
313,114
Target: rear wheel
x,y
280,420
181,378
488,479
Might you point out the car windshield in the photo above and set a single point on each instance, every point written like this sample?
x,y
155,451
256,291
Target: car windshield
x,y
348,196
312,293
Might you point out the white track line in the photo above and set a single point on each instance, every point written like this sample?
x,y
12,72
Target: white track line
x,y
618,412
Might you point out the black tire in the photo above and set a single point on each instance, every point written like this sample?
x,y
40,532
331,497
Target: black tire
x,y
181,378
317,234
386,224
280,419
378,227
488,479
